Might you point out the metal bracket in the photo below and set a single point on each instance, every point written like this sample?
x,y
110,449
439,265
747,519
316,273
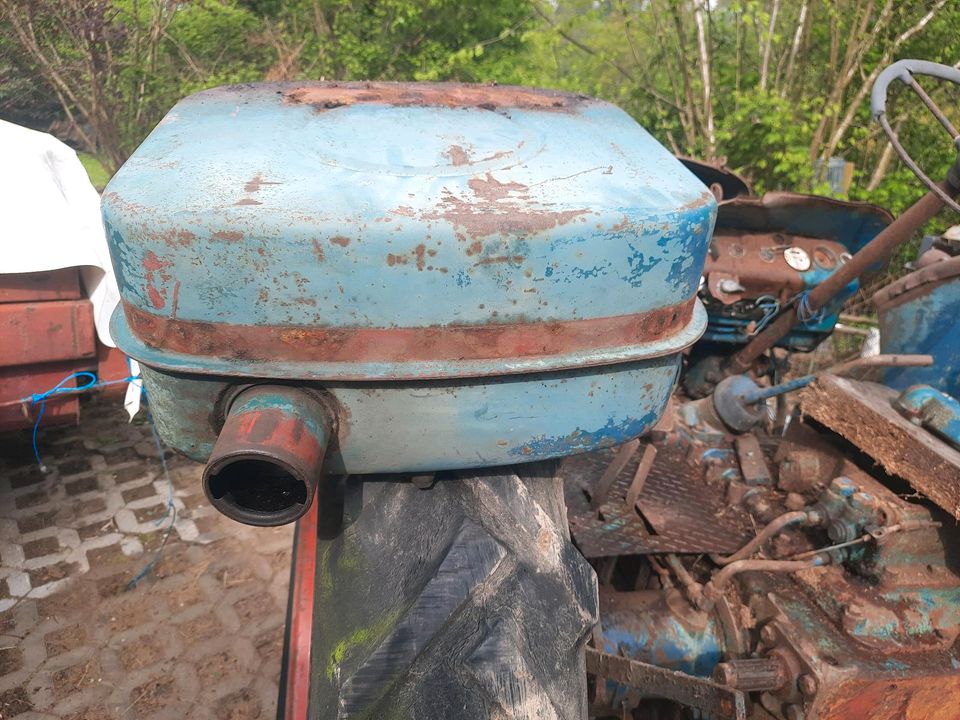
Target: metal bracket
x,y
720,701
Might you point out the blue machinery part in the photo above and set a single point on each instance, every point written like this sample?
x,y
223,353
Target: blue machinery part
x,y
918,314
935,410
435,262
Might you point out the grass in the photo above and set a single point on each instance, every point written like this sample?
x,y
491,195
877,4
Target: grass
x,y
95,170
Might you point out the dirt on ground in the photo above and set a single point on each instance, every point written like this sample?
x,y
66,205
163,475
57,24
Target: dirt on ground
x,y
123,594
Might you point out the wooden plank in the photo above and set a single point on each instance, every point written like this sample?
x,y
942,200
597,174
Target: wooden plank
x,y
861,412
63,284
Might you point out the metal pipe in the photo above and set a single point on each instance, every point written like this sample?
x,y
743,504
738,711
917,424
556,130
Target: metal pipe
x,y
718,583
266,464
797,517
899,231
691,588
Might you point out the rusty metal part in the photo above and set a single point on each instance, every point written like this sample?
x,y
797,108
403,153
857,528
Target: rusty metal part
x,y
438,344
760,264
691,588
718,583
862,413
62,284
653,681
38,332
620,460
877,250
751,674
917,283
640,476
884,360
685,516
295,693
798,517
329,96
753,465
266,464
800,470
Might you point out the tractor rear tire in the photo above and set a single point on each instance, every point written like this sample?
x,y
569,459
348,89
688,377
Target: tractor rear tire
x,y
465,600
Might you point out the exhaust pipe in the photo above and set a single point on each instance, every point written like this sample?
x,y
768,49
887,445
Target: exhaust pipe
x,y
266,463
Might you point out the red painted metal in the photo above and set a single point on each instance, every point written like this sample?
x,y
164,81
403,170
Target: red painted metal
x,y
46,332
22,381
447,343
63,284
300,630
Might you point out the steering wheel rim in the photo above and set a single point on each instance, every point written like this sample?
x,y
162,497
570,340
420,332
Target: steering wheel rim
x,y
904,70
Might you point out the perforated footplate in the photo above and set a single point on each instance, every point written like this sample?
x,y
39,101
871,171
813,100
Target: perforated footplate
x,y
685,514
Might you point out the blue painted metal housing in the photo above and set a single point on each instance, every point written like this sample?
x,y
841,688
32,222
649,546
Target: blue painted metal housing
x,y
472,275
918,314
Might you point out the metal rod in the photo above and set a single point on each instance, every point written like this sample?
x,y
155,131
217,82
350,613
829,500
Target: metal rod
x,y
935,109
873,361
899,231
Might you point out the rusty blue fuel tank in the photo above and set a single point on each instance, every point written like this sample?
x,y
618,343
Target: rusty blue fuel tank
x,y
458,276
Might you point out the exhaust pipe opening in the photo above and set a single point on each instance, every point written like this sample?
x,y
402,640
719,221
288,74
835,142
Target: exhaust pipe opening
x,y
265,467
261,486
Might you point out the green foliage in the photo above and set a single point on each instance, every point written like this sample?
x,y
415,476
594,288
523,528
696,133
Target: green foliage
x,y
97,173
779,101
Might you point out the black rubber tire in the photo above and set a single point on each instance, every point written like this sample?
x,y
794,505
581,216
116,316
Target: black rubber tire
x,y
466,600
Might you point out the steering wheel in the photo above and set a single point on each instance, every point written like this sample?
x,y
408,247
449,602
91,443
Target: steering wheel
x,y
904,70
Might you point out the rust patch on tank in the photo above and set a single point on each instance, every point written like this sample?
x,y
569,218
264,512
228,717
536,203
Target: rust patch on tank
x,y
248,201
330,96
457,155
155,268
396,259
420,251
318,251
340,240
503,208
256,183
449,343
172,238
228,235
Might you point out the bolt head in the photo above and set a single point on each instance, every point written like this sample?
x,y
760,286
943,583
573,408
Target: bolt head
x,y
807,684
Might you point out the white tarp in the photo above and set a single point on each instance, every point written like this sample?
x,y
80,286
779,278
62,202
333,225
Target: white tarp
x,y
50,217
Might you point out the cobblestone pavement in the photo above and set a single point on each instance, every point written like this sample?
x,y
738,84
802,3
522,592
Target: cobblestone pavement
x,y
199,636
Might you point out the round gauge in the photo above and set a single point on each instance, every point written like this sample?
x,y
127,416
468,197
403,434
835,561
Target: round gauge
x,y
768,254
824,257
797,258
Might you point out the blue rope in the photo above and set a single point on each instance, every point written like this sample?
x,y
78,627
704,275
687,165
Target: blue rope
x,y
59,389
805,313
91,384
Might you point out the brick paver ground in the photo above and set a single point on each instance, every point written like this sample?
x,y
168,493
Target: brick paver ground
x,y
200,636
